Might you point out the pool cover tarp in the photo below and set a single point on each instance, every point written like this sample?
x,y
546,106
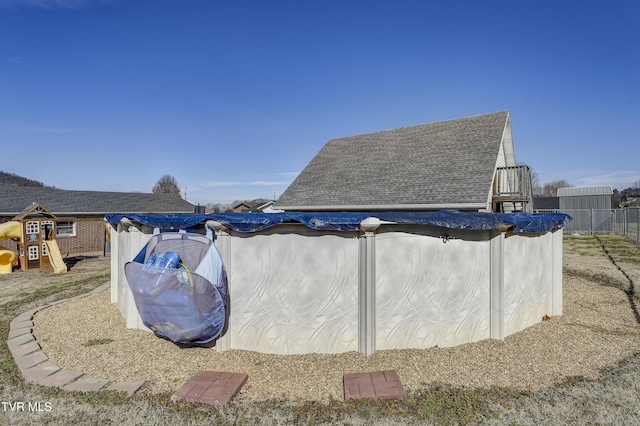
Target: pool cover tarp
x,y
185,299
350,221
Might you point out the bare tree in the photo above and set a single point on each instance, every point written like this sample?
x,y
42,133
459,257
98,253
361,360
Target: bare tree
x,y
636,184
217,207
550,189
535,183
535,180
167,184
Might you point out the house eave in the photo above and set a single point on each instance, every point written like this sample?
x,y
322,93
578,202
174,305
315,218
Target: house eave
x,y
101,213
386,207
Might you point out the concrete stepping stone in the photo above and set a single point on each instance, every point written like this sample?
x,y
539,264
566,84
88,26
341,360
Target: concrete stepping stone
x,y
25,349
129,387
15,332
14,342
60,378
86,384
29,360
40,371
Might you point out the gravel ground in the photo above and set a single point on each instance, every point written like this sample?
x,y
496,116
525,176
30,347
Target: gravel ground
x,y
597,330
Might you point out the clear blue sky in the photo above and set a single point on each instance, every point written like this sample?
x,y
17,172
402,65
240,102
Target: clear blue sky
x,y
233,98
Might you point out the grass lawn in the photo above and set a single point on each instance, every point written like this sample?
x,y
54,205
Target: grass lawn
x,y
613,400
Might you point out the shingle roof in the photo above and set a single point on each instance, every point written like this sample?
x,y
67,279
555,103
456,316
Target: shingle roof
x,y
442,163
13,199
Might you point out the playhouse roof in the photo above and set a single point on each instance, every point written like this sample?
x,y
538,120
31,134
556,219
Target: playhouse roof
x,y
445,164
14,199
34,209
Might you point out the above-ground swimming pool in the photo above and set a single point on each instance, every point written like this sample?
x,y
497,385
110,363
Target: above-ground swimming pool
x,y
339,282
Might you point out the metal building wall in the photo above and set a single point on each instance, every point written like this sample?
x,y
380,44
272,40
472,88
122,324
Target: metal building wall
x,y
585,202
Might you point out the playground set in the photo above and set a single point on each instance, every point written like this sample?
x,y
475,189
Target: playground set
x,y
34,232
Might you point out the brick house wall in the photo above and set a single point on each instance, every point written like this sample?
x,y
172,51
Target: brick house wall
x,y
89,239
8,244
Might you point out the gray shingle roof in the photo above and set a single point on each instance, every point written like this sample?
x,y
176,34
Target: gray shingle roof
x,y
14,199
442,163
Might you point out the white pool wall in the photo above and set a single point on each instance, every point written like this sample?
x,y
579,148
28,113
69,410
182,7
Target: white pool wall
x,y
296,290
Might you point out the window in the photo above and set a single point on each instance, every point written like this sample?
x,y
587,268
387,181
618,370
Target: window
x,y
47,228
33,253
66,229
45,251
33,227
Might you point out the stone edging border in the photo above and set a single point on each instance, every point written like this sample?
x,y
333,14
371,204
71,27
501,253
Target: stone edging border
x,y
36,367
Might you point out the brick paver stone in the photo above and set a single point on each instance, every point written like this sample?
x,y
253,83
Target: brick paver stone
x,y
211,387
373,385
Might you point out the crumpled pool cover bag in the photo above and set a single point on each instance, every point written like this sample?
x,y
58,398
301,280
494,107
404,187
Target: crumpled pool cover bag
x,y
179,286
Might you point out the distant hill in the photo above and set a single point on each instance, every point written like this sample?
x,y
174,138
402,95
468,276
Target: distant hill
x,y
11,178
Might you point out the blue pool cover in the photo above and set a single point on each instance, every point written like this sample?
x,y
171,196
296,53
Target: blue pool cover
x,y
350,221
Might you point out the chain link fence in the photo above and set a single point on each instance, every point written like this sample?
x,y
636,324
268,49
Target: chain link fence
x,y
621,221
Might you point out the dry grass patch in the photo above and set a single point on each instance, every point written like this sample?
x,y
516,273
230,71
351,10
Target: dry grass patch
x,y
608,396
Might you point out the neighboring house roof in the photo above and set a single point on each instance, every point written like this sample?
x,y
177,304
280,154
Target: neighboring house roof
x,y
241,207
252,206
14,199
445,164
576,191
262,206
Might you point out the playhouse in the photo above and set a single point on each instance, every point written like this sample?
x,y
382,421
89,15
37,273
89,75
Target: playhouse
x,y
33,233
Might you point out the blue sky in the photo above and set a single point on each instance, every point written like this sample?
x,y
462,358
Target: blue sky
x,y
233,98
